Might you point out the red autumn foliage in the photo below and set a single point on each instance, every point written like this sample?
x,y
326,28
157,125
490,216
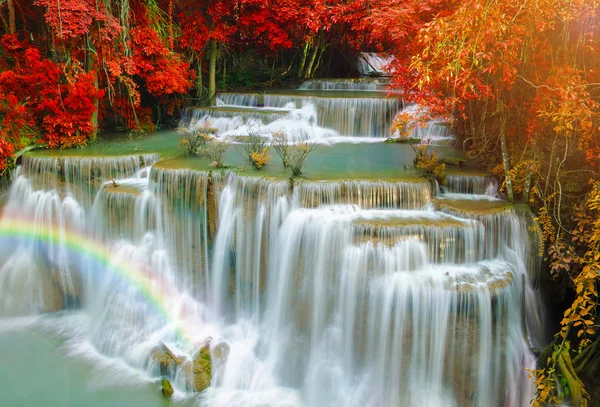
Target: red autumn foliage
x,y
69,18
40,100
6,152
163,71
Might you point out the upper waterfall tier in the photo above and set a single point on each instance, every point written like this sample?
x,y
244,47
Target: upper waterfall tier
x,y
371,63
350,114
365,84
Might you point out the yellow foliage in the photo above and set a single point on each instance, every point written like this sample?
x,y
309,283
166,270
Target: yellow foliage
x,y
405,122
580,258
429,163
260,158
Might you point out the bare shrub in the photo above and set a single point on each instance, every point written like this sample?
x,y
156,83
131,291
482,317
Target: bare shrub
x,y
292,155
194,139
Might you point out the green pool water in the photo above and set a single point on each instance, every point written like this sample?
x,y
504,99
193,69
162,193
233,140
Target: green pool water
x,y
40,367
339,161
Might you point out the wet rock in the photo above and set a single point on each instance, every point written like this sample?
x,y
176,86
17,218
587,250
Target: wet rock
x,y
403,140
201,374
455,161
166,360
167,388
198,371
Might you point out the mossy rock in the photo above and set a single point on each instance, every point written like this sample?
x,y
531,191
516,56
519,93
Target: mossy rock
x,y
455,161
167,388
199,371
403,140
164,360
202,370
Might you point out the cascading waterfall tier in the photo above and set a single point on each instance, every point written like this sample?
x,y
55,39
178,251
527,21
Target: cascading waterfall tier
x,y
363,193
321,110
369,84
349,116
353,293
227,119
80,177
371,63
472,184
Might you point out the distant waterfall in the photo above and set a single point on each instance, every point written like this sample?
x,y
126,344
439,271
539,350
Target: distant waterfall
x,y
374,84
370,63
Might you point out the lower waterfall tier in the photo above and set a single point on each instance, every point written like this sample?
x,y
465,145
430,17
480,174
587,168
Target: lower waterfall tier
x,y
349,293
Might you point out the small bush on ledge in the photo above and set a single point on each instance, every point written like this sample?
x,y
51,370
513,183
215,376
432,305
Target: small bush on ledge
x,y
256,148
292,155
429,162
194,140
215,152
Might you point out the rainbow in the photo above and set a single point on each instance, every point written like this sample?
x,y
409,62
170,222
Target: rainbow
x,y
157,295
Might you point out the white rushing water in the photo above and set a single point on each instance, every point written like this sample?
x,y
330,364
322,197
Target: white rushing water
x,y
323,293
349,293
323,111
374,84
371,63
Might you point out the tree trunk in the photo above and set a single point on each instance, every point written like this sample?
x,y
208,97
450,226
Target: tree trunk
x,y
3,18
12,23
303,60
576,389
199,84
89,67
212,72
224,77
527,187
316,66
505,157
313,57
551,164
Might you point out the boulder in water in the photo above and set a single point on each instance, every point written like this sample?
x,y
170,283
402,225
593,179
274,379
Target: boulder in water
x,y
198,371
167,388
403,140
201,373
165,358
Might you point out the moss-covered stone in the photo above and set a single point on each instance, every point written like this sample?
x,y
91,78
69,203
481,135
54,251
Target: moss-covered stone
x,y
199,371
167,388
455,161
165,359
403,140
202,369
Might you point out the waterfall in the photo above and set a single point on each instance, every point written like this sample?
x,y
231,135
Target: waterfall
x,y
365,194
472,184
298,124
353,293
370,63
349,116
227,120
372,84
